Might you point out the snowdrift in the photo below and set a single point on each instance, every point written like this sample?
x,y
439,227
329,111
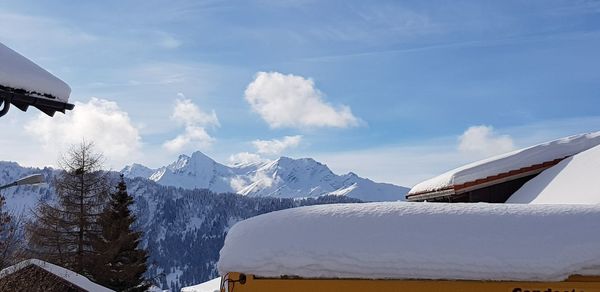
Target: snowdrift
x,y
575,180
213,285
545,152
418,241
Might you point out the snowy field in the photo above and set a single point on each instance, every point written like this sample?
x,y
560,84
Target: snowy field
x,y
418,240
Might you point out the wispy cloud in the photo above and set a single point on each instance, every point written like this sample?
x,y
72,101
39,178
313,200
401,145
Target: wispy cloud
x,y
27,31
168,41
276,146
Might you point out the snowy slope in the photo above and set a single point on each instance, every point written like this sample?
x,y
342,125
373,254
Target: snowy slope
x,y
18,72
282,178
22,198
418,241
213,285
574,180
68,275
540,153
137,170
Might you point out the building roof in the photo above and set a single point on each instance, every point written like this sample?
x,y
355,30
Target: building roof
x,y
573,181
505,167
23,83
67,275
400,240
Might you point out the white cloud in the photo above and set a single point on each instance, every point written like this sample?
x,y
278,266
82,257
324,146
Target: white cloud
x,y
195,121
188,113
276,146
244,158
483,141
99,121
192,136
294,101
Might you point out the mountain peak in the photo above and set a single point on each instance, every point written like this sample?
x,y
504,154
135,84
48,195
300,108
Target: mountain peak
x,y
137,170
200,155
306,161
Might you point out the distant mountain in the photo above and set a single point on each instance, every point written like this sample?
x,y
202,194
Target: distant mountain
x,y
184,230
281,178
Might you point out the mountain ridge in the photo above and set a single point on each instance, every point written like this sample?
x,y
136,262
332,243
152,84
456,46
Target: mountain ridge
x,y
284,177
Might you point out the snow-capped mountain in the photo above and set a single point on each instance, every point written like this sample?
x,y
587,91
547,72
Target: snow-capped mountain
x,y
183,229
282,178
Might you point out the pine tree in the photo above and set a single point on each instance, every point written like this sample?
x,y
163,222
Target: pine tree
x,y
63,230
120,262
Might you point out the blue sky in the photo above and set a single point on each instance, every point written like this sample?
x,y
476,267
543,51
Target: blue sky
x,y
402,89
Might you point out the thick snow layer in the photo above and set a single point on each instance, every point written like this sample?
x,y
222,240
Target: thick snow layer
x,y
18,72
68,275
574,180
210,286
418,241
510,161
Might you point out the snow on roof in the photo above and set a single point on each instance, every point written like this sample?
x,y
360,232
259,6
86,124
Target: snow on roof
x,y
398,240
209,286
18,72
69,276
515,160
573,181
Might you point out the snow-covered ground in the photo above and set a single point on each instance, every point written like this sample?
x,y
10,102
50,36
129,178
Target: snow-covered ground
x,y
575,180
209,286
418,240
510,161
69,276
18,72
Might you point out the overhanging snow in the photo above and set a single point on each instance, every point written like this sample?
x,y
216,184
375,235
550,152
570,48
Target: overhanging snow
x,y
24,83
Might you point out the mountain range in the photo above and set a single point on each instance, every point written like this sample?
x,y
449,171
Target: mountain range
x,y
281,178
186,208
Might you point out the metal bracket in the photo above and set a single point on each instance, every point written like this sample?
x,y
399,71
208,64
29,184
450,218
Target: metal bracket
x,y
6,107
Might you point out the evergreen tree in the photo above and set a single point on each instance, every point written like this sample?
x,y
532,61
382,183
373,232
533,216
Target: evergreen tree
x,y
120,262
62,230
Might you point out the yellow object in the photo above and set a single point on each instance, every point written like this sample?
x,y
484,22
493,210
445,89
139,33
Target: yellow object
x,y
236,282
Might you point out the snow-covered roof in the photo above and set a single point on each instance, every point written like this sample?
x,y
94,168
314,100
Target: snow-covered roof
x,y
69,276
535,155
213,285
574,180
18,72
396,240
